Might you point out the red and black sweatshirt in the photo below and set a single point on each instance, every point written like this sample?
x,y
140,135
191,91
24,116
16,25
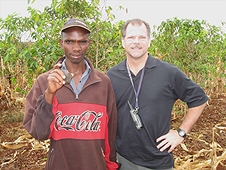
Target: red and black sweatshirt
x,y
81,131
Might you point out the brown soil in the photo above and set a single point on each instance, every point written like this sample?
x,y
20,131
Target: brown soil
x,y
199,143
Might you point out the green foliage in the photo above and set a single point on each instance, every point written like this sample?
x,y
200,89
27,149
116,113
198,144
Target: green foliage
x,y
41,49
194,46
105,50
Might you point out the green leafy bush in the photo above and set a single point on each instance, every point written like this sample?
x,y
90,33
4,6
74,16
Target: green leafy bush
x,y
29,45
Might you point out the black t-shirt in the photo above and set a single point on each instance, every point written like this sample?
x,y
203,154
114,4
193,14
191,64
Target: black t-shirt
x,y
162,85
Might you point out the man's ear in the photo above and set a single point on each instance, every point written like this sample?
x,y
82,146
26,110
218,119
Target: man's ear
x,y
123,43
149,42
61,43
90,41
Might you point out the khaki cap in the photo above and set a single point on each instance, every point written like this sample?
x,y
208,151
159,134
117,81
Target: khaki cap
x,y
75,23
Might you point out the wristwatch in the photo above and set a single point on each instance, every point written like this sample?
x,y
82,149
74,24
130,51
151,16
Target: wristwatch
x,y
181,132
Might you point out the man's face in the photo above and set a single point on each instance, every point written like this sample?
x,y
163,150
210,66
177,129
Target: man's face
x,y
136,42
75,43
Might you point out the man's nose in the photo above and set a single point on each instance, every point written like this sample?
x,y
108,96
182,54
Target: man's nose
x,y
76,46
136,40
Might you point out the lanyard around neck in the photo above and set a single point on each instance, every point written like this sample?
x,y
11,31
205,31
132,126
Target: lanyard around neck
x,y
139,87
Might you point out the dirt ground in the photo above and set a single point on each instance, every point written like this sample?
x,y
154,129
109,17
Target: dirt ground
x,y
203,148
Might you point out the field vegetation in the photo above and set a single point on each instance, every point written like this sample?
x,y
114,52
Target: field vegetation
x,y
29,46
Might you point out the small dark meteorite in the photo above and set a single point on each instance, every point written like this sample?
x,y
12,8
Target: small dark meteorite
x,y
68,76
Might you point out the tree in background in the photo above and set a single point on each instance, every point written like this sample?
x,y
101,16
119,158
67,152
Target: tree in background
x,y
198,48
23,59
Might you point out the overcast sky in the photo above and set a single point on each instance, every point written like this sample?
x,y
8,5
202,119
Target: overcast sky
x,y
152,11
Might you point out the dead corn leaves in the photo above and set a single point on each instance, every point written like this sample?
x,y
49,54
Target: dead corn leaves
x,y
194,161
21,142
213,157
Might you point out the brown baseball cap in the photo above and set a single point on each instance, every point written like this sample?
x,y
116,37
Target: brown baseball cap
x,y
75,23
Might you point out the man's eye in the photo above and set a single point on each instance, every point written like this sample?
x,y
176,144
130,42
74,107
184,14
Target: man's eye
x,y
83,42
68,41
143,37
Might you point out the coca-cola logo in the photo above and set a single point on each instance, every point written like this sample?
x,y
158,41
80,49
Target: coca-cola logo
x,y
87,121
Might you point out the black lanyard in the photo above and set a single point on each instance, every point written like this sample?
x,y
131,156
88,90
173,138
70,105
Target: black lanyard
x,y
138,90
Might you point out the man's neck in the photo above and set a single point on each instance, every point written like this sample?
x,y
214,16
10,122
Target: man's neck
x,y
136,64
76,69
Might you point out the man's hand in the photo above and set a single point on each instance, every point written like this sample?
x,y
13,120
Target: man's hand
x,y
55,82
172,138
169,140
